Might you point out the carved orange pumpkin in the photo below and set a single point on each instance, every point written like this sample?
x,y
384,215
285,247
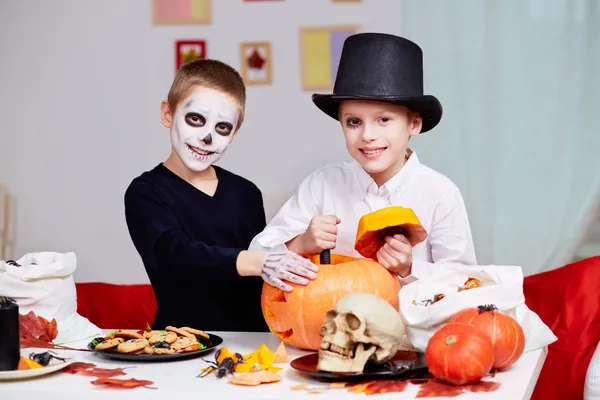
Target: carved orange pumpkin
x,y
375,226
296,317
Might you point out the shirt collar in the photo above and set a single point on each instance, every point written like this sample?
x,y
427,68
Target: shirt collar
x,y
396,183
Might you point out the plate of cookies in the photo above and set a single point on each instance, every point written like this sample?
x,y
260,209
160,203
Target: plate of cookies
x,y
152,345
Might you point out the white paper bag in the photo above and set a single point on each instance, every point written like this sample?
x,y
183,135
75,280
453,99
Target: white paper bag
x,y
44,284
501,286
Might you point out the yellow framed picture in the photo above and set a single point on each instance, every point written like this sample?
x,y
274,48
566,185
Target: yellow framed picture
x,y
320,52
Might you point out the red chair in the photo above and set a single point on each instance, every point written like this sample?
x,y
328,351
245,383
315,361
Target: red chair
x,y
567,299
112,306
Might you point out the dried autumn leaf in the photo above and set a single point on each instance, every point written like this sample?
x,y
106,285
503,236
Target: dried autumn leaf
x,y
435,388
483,386
386,386
77,367
378,387
123,383
358,388
103,372
32,342
37,327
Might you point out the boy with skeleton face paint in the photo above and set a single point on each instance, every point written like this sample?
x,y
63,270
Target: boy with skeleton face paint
x,y
192,221
378,100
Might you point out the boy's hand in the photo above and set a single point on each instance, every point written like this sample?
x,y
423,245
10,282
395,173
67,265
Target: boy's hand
x,y
285,265
320,235
396,255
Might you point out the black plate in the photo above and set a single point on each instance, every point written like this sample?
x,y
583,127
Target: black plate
x,y
406,364
212,343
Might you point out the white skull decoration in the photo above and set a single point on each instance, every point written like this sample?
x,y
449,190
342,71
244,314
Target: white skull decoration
x,y
360,327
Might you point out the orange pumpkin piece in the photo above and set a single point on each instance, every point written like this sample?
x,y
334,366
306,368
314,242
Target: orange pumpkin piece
x,y
255,378
26,363
375,226
296,317
281,354
505,332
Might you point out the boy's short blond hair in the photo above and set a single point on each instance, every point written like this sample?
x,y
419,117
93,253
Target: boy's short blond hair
x,y
211,74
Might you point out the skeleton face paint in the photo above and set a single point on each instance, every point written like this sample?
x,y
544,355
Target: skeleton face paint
x,y
203,127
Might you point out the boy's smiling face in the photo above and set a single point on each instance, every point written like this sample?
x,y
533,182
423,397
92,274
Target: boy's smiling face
x,y
202,127
377,135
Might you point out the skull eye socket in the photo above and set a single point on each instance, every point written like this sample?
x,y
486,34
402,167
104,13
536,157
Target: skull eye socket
x,y
352,321
328,326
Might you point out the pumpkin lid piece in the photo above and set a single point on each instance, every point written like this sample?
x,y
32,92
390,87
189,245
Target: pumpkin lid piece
x,y
375,226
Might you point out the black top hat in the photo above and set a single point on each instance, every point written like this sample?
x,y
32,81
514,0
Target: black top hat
x,y
378,66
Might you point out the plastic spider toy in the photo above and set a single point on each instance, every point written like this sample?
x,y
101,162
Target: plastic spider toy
x,y
225,367
44,358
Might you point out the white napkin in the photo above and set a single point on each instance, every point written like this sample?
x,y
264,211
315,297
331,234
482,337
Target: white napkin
x,y
501,286
44,284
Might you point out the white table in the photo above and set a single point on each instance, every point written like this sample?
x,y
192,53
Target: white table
x,y
177,380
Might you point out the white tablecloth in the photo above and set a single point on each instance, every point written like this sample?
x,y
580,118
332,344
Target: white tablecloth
x,y
177,380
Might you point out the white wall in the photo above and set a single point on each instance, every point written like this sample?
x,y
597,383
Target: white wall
x,y
80,88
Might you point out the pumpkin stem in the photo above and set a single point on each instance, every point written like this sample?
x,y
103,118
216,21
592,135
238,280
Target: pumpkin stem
x,y
451,340
487,307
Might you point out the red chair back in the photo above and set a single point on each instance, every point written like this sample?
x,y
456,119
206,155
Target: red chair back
x,y
112,306
567,299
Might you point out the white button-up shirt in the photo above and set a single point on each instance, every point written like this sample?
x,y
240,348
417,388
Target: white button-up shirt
x,y
345,189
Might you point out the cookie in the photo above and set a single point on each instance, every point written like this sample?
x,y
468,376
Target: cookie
x,y
180,332
147,334
138,352
168,337
132,345
196,332
183,342
109,343
158,350
127,334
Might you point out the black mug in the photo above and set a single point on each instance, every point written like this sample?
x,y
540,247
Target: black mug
x,y
10,351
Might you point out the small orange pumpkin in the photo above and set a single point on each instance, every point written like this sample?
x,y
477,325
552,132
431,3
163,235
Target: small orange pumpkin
x,y
375,226
296,317
505,332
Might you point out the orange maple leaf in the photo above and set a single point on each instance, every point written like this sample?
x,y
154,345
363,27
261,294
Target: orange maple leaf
x,y
32,326
78,367
435,388
378,387
124,383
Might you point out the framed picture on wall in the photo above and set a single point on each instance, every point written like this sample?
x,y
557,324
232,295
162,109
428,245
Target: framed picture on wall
x,y
189,50
256,63
320,52
181,12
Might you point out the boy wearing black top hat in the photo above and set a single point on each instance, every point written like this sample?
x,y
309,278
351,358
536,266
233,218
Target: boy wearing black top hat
x,y
378,99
